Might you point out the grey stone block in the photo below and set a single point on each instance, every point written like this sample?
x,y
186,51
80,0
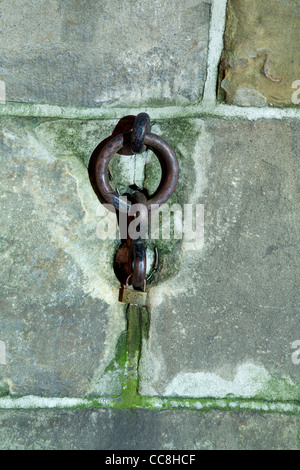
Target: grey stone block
x,y
224,321
103,52
146,430
259,64
222,318
60,320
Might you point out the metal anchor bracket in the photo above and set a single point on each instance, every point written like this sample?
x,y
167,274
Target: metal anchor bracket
x,y
130,258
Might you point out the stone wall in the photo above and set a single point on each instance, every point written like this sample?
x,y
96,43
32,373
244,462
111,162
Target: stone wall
x,y
213,361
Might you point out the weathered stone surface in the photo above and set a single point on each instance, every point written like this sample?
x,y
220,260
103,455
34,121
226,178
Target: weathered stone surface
x,y
225,320
60,321
222,318
261,54
79,138
146,430
103,52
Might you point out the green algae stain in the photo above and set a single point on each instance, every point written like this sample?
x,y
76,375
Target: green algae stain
x,y
137,328
280,390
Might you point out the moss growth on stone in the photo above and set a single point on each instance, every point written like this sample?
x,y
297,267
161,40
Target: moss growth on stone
x,y
280,390
4,391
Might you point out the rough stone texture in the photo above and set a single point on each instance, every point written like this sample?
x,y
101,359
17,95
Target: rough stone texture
x,y
79,138
103,52
225,320
146,430
223,317
261,54
60,319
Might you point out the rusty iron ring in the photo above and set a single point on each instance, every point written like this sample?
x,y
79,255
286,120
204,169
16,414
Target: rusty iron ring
x,y
141,127
168,162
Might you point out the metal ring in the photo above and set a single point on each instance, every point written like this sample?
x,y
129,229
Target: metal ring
x,y
168,162
141,127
